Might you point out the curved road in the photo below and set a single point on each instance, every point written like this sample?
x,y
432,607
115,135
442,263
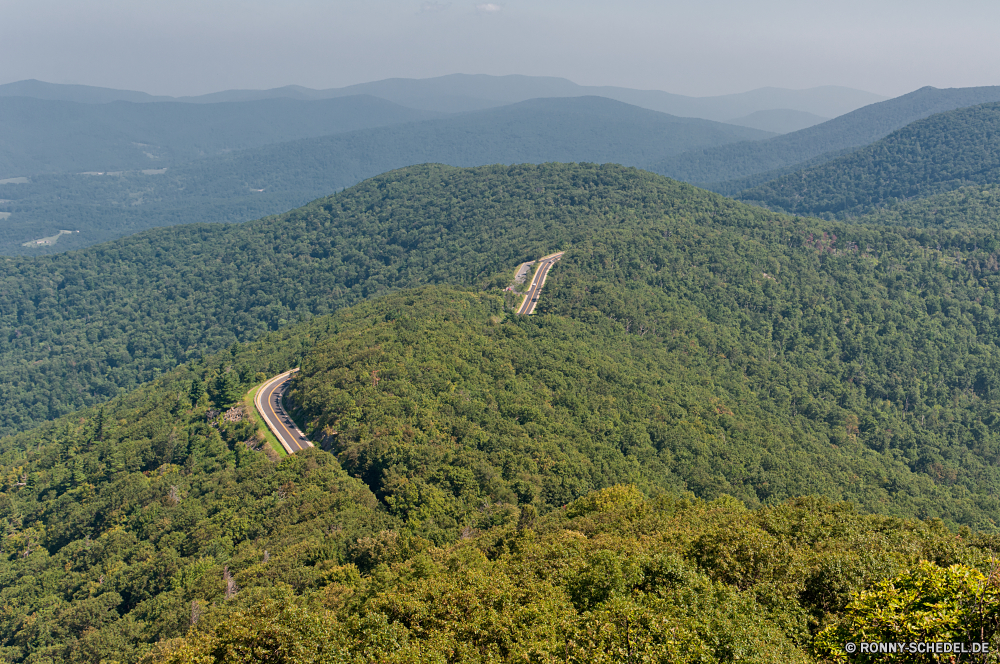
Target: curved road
x,y
269,405
545,264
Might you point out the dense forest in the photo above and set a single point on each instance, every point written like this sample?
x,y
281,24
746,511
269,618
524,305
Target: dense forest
x,y
939,154
976,206
79,327
715,167
248,184
495,527
620,475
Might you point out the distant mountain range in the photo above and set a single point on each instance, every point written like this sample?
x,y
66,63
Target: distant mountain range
x,y
713,167
463,92
45,136
112,168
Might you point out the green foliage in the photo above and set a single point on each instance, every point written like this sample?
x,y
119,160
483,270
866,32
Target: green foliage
x,y
686,345
78,328
974,207
227,389
699,344
442,402
119,524
925,604
626,583
939,154
123,524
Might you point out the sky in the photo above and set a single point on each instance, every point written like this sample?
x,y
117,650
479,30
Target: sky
x,y
188,47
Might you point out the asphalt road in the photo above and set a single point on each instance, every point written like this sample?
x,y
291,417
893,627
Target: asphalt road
x,y
545,264
269,404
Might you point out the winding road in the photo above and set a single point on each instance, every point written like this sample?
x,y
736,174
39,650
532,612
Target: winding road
x,y
269,404
545,264
271,394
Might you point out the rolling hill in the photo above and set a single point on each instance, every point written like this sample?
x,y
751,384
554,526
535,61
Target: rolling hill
x,y
467,499
835,334
623,469
713,167
935,155
253,183
976,206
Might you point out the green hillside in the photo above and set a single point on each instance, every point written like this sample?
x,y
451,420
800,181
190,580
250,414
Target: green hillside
x,y
619,475
78,327
976,207
939,154
253,183
481,534
874,331
715,166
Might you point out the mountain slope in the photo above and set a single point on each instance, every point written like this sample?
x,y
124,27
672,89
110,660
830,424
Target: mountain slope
x,y
879,342
112,316
941,153
686,343
855,129
975,207
250,184
43,136
482,439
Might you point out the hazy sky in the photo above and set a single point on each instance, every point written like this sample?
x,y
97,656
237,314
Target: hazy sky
x,y
180,47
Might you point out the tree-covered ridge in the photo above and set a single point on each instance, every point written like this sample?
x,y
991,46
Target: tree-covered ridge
x,y
120,523
439,400
248,184
78,327
939,154
742,161
973,207
127,523
845,334
133,523
891,328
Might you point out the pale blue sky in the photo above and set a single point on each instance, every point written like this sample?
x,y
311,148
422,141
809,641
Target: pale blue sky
x,y
183,47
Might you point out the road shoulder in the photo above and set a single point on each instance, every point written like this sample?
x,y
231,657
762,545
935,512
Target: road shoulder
x,y
250,401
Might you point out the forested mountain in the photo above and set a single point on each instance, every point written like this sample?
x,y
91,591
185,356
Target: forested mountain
x,y
253,183
939,154
45,136
715,166
158,517
968,207
464,92
878,341
467,493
